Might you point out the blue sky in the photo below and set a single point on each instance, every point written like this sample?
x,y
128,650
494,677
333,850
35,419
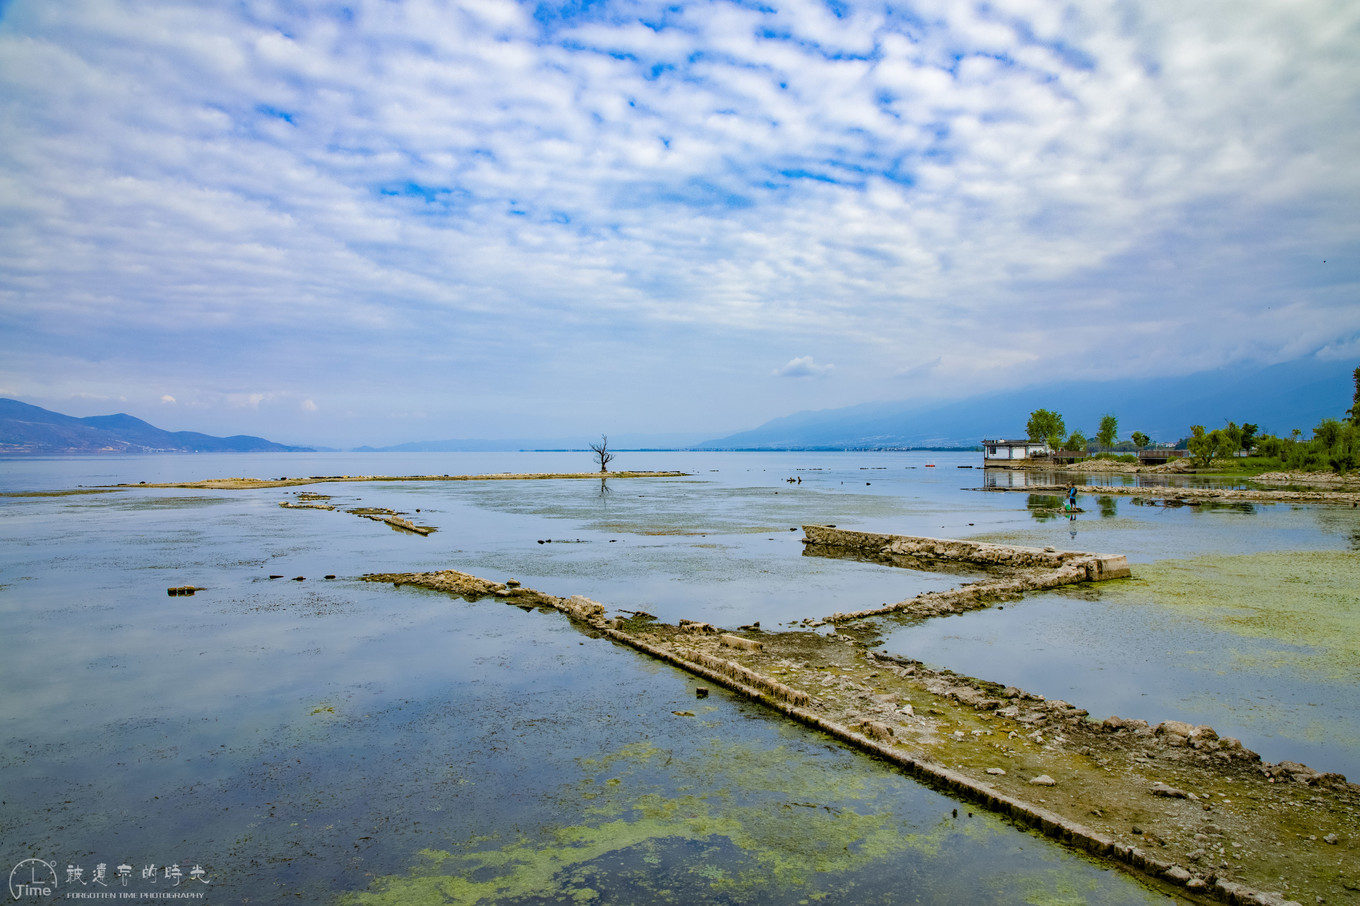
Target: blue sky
x,y
383,221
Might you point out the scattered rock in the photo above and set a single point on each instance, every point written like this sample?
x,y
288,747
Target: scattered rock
x,y
876,730
683,713
1168,792
1174,732
736,641
997,772
1044,780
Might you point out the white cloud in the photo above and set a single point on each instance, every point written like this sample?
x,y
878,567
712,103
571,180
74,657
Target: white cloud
x,y
802,367
433,186
167,398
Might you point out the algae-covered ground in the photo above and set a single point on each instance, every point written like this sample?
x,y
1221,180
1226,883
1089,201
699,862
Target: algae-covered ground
x,y
1307,600
734,822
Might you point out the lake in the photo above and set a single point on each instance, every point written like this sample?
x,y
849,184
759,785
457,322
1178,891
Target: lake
x,y
331,740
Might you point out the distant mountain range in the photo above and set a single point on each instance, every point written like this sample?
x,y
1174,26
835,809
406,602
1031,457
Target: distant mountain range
x,y
32,430
621,441
1278,399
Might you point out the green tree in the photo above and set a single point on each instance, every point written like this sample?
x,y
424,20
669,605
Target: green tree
x,y
1140,440
1203,446
1274,447
1355,400
1232,439
1076,443
1249,435
1045,426
1109,429
1327,433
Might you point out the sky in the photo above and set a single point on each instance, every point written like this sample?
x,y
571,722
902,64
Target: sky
x,y
399,220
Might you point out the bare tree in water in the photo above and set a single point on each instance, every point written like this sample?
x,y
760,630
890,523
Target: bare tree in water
x,y
602,454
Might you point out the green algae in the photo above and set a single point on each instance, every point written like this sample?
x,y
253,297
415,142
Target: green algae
x,y
739,822
776,816
1304,604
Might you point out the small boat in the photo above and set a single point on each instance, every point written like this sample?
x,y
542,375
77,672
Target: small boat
x,y
930,465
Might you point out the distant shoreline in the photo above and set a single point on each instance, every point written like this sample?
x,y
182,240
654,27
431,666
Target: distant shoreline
x,y
235,484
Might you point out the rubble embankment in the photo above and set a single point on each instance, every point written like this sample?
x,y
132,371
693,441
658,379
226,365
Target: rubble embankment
x,y
1197,496
1015,570
1176,803
377,514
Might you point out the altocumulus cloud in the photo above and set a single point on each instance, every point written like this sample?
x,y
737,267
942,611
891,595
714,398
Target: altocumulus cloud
x,y
345,203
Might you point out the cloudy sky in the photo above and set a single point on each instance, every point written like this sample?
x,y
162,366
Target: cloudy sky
x,y
394,220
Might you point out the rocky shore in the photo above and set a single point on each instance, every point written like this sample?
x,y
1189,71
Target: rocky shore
x,y
1175,803
1337,496
1321,480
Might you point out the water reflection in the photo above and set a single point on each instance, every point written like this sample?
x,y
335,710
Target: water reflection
x,y
1004,479
1044,507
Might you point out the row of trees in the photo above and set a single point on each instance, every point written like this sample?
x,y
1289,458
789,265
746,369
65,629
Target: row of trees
x,y
1048,427
1335,443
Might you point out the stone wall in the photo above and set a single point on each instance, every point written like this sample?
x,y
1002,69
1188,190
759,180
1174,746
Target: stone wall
x,y
1024,568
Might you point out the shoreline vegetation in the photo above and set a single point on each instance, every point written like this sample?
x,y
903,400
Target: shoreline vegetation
x,y
1177,804
1333,450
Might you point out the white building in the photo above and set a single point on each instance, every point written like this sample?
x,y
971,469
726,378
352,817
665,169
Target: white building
x,y
1012,449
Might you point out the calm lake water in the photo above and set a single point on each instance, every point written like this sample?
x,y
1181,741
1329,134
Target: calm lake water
x,y
334,740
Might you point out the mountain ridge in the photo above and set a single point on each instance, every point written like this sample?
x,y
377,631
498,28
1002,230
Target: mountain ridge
x,y
27,430
1278,398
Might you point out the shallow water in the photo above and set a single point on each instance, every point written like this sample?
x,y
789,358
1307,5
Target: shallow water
x,y
327,737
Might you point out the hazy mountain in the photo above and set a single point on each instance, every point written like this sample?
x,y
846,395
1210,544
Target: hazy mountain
x,y
620,442
32,430
1278,398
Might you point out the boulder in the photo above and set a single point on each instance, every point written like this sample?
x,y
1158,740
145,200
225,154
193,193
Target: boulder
x,y
1174,732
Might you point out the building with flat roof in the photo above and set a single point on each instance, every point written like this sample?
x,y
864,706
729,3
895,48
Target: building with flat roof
x,y
1009,450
